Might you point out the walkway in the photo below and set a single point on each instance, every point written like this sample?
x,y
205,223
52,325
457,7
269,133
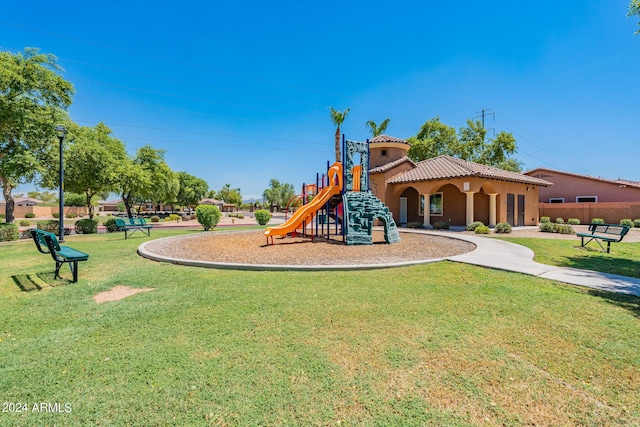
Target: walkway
x,y
502,255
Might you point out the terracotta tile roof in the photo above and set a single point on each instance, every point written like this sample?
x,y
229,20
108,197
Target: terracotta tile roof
x,y
387,138
541,172
445,167
391,165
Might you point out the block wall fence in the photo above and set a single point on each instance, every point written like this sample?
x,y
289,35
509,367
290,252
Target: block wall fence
x,y
611,212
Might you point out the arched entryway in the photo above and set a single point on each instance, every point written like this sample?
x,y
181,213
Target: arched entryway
x,y
409,207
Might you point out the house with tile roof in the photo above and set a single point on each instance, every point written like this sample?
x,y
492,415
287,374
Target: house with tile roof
x,y
448,189
587,197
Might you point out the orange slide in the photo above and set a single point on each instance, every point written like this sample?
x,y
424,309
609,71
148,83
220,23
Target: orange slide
x,y
306,213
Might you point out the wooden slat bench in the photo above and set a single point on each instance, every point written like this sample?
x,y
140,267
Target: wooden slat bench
x,y
47,243
133,225
605,233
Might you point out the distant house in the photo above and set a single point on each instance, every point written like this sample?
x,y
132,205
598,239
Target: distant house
x,y
224,207
448,189
108,205
587,197
23,201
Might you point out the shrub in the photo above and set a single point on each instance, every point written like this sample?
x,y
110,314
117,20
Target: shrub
x,y
155,218
262,216
9,232
559,221
545,219
240,216
556,228
482,229
86,226
173,217
627,222
208,216
50,225
573,221
636,223
29,215
564,229
55,215
415,224
71,215
547,227
24,223
441,225
110,225
473,226
2,216
503,227
597,221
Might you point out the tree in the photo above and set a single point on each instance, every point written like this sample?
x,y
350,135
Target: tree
x,y
45,196
277,193
337,118
434,139
90,163
634,10
146,177
164,184
230,195
378,129
192,189
133,180
33,99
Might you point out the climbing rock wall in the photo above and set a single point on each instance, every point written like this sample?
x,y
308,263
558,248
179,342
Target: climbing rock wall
x,y
361,209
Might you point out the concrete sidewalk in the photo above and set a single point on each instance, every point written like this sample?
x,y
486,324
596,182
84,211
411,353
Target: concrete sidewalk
x,y
502,255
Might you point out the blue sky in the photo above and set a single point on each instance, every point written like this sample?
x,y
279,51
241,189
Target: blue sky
x,y
239,92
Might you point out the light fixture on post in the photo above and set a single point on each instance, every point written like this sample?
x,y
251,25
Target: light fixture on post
x,y
61,131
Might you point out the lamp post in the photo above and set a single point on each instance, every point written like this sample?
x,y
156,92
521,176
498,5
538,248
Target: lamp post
x,y
61,132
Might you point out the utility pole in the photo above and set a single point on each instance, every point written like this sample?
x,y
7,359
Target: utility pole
x,y
485,112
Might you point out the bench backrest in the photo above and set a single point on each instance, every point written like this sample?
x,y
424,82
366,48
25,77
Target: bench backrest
x,y
130,221
45,241
613,229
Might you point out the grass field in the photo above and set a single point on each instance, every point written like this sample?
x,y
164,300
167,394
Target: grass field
x,y
439,344
624,258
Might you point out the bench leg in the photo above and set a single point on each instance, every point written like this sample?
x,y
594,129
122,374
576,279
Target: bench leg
x,y
57,275
73,266
608,246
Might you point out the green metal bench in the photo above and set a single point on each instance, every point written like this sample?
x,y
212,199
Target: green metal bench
x,y
47,243
133,225
605,233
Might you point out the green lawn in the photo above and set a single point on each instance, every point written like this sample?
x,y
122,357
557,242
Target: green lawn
x,y
624,258
438,344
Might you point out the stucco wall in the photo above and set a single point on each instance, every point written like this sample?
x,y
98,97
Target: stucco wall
x,y
570,186
393,153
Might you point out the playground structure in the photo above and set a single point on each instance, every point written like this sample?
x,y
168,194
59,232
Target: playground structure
x,y
344,196
309,191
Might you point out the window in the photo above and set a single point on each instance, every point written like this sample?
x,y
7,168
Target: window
x,y
384,152
435,204
586,199
556,199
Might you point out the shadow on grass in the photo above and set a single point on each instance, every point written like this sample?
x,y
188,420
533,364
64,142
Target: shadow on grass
x,y
603,262
628,302
38,281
